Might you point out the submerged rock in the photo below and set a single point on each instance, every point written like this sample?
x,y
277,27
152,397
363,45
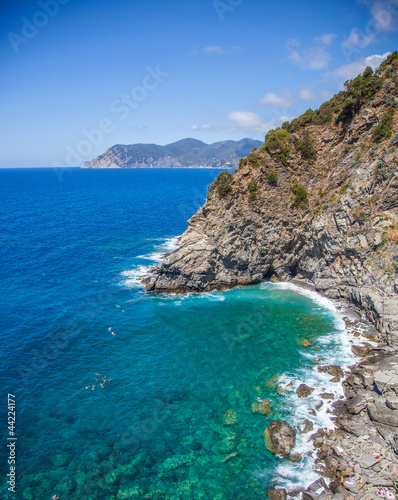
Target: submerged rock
x,y
279,437
277,494
262,407
230,417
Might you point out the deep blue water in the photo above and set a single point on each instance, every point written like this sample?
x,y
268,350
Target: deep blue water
x,y
173,417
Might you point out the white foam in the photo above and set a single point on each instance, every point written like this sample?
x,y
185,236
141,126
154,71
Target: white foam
x,y
132,277
335,350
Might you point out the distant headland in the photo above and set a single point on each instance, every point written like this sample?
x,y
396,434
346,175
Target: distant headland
x,y
190,153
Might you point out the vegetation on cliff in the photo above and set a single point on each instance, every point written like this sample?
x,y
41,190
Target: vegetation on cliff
x,y
318,199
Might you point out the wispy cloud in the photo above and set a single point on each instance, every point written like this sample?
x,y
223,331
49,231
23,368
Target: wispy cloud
x,y
315,57
308,94
276,100
325,39
353,69
251,122
217,49
205,126
213,49
358,39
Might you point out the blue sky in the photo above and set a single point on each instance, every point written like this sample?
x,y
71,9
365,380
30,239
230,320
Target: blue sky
x,y
79,76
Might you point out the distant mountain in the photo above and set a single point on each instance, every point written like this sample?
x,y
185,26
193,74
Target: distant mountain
x,y
184,153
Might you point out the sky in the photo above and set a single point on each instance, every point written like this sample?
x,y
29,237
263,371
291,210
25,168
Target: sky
x,y
79,76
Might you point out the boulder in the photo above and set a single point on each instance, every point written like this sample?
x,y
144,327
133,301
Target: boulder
x,y
392,402
303,391
279,437
306,426
379,412
333,370
360,351
356,404
385,381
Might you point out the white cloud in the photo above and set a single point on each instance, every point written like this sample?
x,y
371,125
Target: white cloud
x,y
205,126
352,70
213,49
251,122
311,58
246,120
358,39
308,94
276,101
325,39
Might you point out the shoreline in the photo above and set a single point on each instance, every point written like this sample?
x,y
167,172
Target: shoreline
x,y
359,419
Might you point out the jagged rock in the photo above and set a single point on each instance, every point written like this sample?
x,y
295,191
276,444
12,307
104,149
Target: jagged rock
x,y
333,239
326,395
385,380
306,426
277,494
295,457
333,370
305,343
392,402
356,404
279,437
360,351
318,489
303,391
379,412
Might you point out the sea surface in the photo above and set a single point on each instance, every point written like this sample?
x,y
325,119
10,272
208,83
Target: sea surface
x,y
121,394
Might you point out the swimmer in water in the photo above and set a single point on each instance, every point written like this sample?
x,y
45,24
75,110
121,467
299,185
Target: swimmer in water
x,y
87,386
93,387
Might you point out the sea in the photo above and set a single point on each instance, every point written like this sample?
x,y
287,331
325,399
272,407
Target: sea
x,y
122,394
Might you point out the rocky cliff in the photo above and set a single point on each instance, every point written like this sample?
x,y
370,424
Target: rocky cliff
x,y
317,200
185,153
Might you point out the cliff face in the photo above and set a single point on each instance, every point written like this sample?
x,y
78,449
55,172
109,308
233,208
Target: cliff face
x,y
184,153
316,201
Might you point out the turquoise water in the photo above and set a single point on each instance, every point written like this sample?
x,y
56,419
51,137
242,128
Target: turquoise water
x,y
124,394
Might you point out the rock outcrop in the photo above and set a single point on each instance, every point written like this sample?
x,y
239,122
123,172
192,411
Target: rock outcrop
x,y
316,201
279,437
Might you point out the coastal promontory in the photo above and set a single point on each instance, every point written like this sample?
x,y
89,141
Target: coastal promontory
x,y
318,200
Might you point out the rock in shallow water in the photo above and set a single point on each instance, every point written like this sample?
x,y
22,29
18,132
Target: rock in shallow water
x,y
279,437
303,391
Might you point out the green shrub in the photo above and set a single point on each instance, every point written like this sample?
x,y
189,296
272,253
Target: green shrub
x,y
306,148
277,144
324,114
343,189
302,121
390,59
359,90
384,129
222,184
252,186
271,178
300,194
252,159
